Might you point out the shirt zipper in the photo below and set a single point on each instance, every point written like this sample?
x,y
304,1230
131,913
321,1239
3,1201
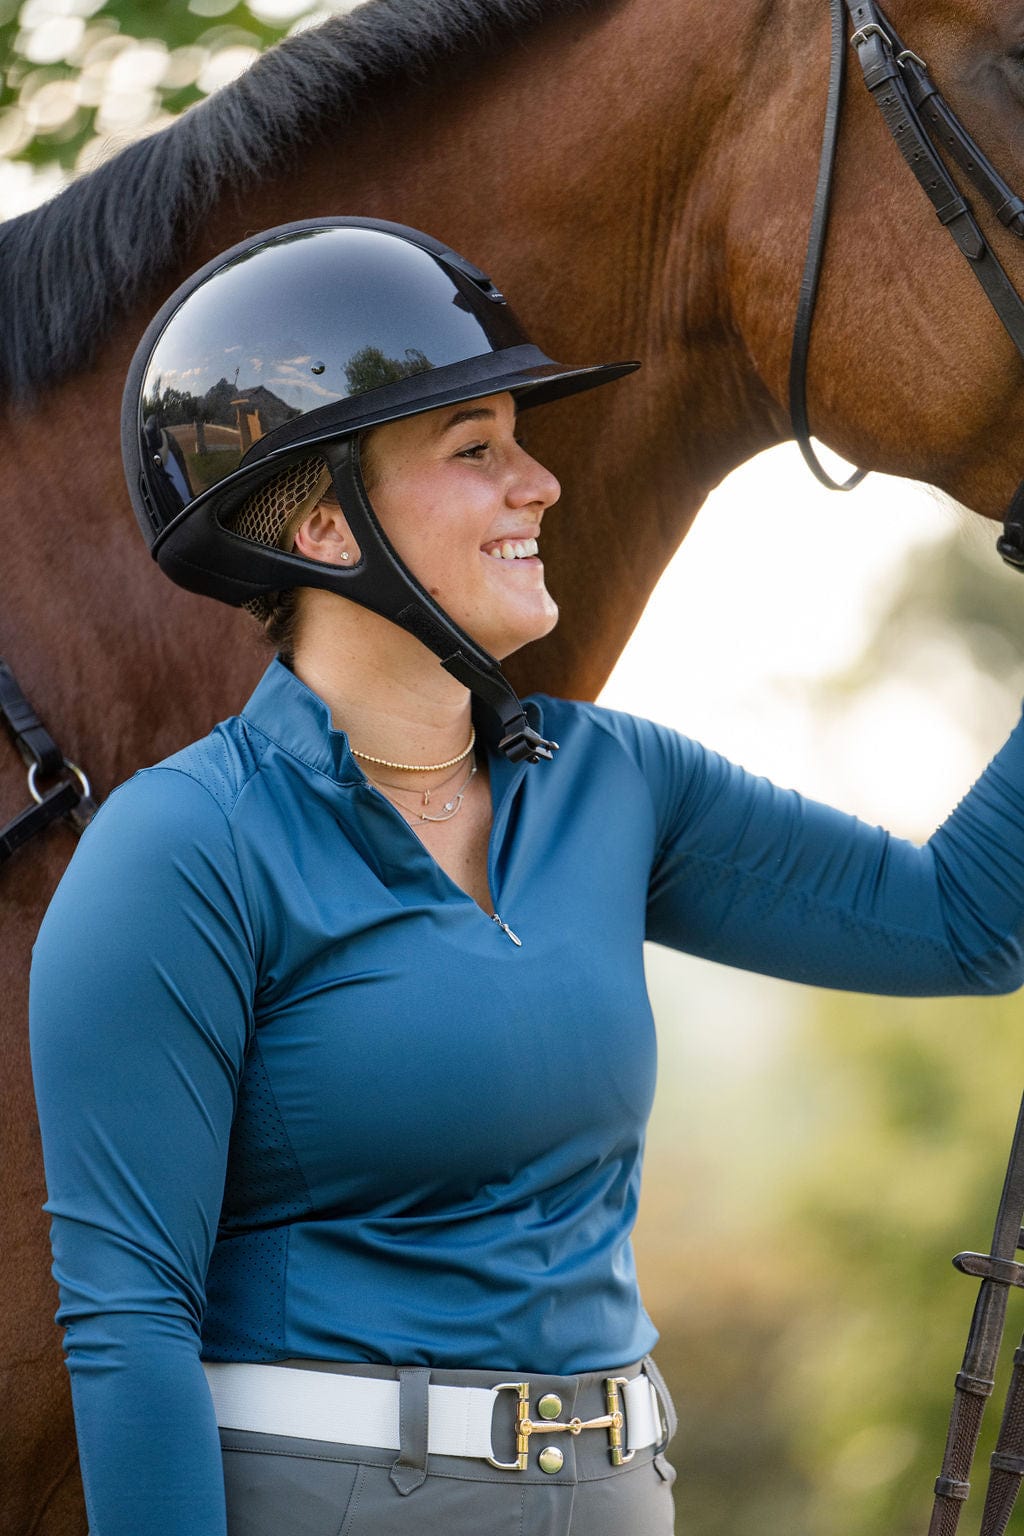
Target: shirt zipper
x,y
516,940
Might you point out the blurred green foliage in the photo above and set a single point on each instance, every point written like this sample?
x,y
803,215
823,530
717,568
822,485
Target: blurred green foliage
x,y
812,1323
956,592
77,73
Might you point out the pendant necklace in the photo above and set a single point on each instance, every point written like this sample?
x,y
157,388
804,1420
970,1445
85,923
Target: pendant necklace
x,y
451,807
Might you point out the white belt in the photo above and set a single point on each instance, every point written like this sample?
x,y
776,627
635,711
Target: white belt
x,y
360,1410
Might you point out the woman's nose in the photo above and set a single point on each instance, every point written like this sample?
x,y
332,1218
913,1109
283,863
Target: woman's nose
x,y
533,484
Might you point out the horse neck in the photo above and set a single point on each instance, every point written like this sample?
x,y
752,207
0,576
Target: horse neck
x,y
585,168
593,166
585,164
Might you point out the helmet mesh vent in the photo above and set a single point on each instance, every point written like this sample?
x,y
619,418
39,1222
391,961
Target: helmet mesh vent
x,y
271,514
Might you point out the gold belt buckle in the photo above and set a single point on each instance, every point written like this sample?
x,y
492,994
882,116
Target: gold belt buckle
x,y
613,1421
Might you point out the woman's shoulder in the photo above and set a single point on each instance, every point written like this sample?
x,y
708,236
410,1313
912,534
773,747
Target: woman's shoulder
x,y
221,763
186,800
576,718
638,753
158,859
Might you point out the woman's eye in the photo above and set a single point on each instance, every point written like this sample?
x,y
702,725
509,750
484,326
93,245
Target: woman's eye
x,y
474,452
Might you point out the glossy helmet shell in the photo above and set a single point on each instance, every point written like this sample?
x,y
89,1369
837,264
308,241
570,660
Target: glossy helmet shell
x,y
297,338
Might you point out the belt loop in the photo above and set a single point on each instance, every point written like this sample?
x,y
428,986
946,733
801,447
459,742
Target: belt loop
x,y
409,1468
668,1409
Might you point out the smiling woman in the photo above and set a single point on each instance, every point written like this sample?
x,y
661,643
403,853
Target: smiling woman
x,y
463,511
347,1242
452,487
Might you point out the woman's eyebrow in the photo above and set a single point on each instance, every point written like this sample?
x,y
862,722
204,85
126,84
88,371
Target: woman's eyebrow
x,y
479,413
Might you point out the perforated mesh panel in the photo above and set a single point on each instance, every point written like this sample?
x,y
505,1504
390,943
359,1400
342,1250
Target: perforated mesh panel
x,y
271,515
264,1182
265,1191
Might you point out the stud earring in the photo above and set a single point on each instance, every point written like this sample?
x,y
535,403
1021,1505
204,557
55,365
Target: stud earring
x,y
344,554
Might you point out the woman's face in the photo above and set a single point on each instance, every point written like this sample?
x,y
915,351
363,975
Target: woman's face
x,y
462,502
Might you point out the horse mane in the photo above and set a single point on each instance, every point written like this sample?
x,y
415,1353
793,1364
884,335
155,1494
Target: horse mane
x,y
74,265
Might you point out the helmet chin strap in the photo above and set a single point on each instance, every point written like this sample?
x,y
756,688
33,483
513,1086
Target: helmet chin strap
x,y
384,584
1010,544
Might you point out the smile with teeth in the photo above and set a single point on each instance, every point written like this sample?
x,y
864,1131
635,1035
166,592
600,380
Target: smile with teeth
x,y
512,549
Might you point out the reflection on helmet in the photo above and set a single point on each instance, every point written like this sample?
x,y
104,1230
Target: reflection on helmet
x,y
299,339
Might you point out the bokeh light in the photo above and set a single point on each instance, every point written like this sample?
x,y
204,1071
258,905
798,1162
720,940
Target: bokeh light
x,y
83,78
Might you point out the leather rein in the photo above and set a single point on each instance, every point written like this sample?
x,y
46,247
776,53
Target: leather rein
x,y
920,121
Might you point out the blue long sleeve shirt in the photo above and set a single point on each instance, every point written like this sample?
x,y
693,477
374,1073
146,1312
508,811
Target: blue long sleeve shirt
x,y
301,1096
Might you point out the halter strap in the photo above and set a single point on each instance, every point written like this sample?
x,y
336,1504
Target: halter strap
x,y
71,799
998,1272
909,103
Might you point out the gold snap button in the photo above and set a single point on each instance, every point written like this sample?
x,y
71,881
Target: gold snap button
x,y
550,1459
549,1406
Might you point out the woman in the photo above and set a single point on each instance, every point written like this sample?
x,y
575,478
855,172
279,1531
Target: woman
x,y
342,1046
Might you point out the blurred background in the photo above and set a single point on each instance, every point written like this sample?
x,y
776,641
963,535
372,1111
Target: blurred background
x,y
815,1158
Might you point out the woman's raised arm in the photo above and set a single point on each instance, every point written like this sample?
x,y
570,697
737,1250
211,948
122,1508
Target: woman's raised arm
x,y
755,876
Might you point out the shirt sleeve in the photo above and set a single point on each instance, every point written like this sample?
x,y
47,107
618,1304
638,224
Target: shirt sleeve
x,y
759,877
141,1007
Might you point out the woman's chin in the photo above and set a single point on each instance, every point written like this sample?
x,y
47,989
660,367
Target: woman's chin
x,y
514,637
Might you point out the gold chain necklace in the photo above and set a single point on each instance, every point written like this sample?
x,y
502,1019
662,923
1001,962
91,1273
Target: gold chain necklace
x,y
452,762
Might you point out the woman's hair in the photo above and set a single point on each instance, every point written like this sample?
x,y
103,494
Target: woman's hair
x,y
273,515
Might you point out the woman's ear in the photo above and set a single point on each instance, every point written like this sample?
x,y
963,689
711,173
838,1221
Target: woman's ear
x,y
325,535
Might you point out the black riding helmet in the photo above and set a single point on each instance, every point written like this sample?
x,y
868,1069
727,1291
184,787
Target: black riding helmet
x,y
294,342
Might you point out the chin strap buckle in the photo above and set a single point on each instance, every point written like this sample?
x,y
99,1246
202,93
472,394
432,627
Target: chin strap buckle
x,y
1010,545
523,744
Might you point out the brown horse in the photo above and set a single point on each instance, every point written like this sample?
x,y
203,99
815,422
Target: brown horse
x,y
638,174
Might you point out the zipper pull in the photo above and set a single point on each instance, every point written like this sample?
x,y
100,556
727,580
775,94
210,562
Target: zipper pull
x,y
516,940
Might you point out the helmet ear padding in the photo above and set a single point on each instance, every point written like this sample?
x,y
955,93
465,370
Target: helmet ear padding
x,y
272,513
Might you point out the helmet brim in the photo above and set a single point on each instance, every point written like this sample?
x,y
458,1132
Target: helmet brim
x,y
523,371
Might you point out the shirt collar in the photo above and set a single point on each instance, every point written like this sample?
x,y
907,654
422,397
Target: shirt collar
x,y
284,709
298,721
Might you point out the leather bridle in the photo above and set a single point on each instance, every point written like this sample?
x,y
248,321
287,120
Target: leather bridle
x,y
921,122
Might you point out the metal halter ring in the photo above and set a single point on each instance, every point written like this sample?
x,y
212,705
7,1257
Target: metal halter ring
x,y
865,32
84,787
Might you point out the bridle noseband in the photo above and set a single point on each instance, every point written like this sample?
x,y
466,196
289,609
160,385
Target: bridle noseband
x,y
920,121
